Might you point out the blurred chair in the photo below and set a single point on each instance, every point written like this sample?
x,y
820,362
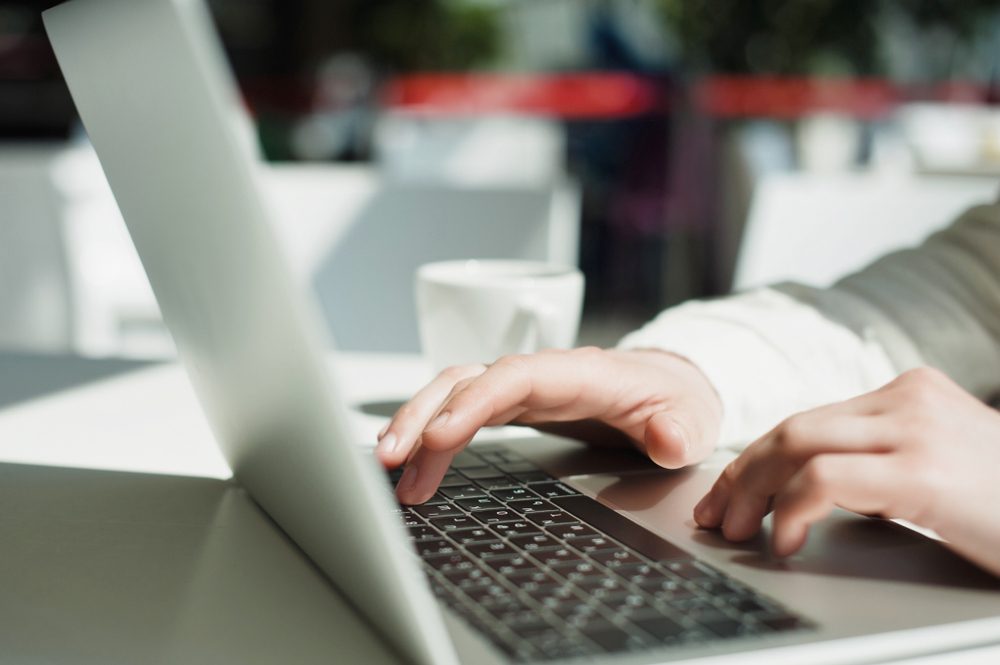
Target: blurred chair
x,y
816,227
35,301
353,235
359,238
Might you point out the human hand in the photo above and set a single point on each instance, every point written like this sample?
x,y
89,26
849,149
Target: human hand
x,y
920,449
660,401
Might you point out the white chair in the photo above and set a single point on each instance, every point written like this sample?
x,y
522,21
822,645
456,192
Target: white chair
x,y
35,301
817,227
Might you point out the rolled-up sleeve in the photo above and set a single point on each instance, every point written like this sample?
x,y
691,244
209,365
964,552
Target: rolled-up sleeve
x,y
774,351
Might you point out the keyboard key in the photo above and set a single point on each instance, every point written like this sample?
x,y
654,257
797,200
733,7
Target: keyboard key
x,y
422,533
536,542
612,638
553,489
496,483
498,456
510,564
572,531
442,510
516,467
490,549
436,499
493,597
480,503
463,492
721,624
561,555
615,558
525,506
591,544
454,522
512,529
575,571
468,577
409,518
513,494
690,570
428,548
452,479
531,580
449,562
661,627
549,517
477,534
601,587
629,605
556,591
467,460
620,528
667,591
486,473
494,516
534,477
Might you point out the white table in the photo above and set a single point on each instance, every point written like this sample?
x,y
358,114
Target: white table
x,y
148,420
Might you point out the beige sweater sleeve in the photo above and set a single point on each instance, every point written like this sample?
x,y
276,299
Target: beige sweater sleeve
x,y
774,351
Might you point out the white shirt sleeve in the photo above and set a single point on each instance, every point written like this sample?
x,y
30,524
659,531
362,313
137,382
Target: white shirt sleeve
x,y
775,351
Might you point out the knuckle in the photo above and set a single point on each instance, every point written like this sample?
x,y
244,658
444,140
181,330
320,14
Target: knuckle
x,y
922,384
455,372
516,363
404,412
587,352
791,434
816,474
730,475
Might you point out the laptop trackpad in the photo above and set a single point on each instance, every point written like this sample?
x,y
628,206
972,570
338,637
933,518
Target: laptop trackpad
x,y
843,545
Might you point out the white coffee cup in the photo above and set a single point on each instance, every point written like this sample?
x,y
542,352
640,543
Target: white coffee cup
x,y
475,311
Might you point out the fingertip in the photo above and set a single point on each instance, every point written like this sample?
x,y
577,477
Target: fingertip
x,y
667,443
390,450
706,513
405,488
787,541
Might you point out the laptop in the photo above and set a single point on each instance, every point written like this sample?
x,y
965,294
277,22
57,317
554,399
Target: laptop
x,y
538,550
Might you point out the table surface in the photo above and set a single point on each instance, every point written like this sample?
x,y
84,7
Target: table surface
x,y
139,416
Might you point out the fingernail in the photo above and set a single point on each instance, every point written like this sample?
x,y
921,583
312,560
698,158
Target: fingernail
x,y
705,512
388,443
381,432
683,435
438,422
408,480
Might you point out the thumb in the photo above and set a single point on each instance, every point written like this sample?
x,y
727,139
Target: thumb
x,y
676,438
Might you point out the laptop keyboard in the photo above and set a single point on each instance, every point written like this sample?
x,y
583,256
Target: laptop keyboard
x,y
546,573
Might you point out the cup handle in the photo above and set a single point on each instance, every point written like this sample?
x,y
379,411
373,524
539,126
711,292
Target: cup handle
x,y
533,328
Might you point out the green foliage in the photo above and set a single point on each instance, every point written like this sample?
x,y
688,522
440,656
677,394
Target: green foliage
x,y
433,34
817,37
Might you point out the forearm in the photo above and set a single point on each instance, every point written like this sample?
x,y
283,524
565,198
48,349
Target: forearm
x,y
768,355
772,352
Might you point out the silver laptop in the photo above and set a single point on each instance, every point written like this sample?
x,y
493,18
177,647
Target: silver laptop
x,y
535,551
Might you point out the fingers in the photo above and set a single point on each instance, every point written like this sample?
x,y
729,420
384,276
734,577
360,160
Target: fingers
x,y
863,483
422,476
513,385
739,499
399,438
683,435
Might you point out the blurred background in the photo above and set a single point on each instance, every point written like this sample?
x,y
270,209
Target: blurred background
x,y
672,149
